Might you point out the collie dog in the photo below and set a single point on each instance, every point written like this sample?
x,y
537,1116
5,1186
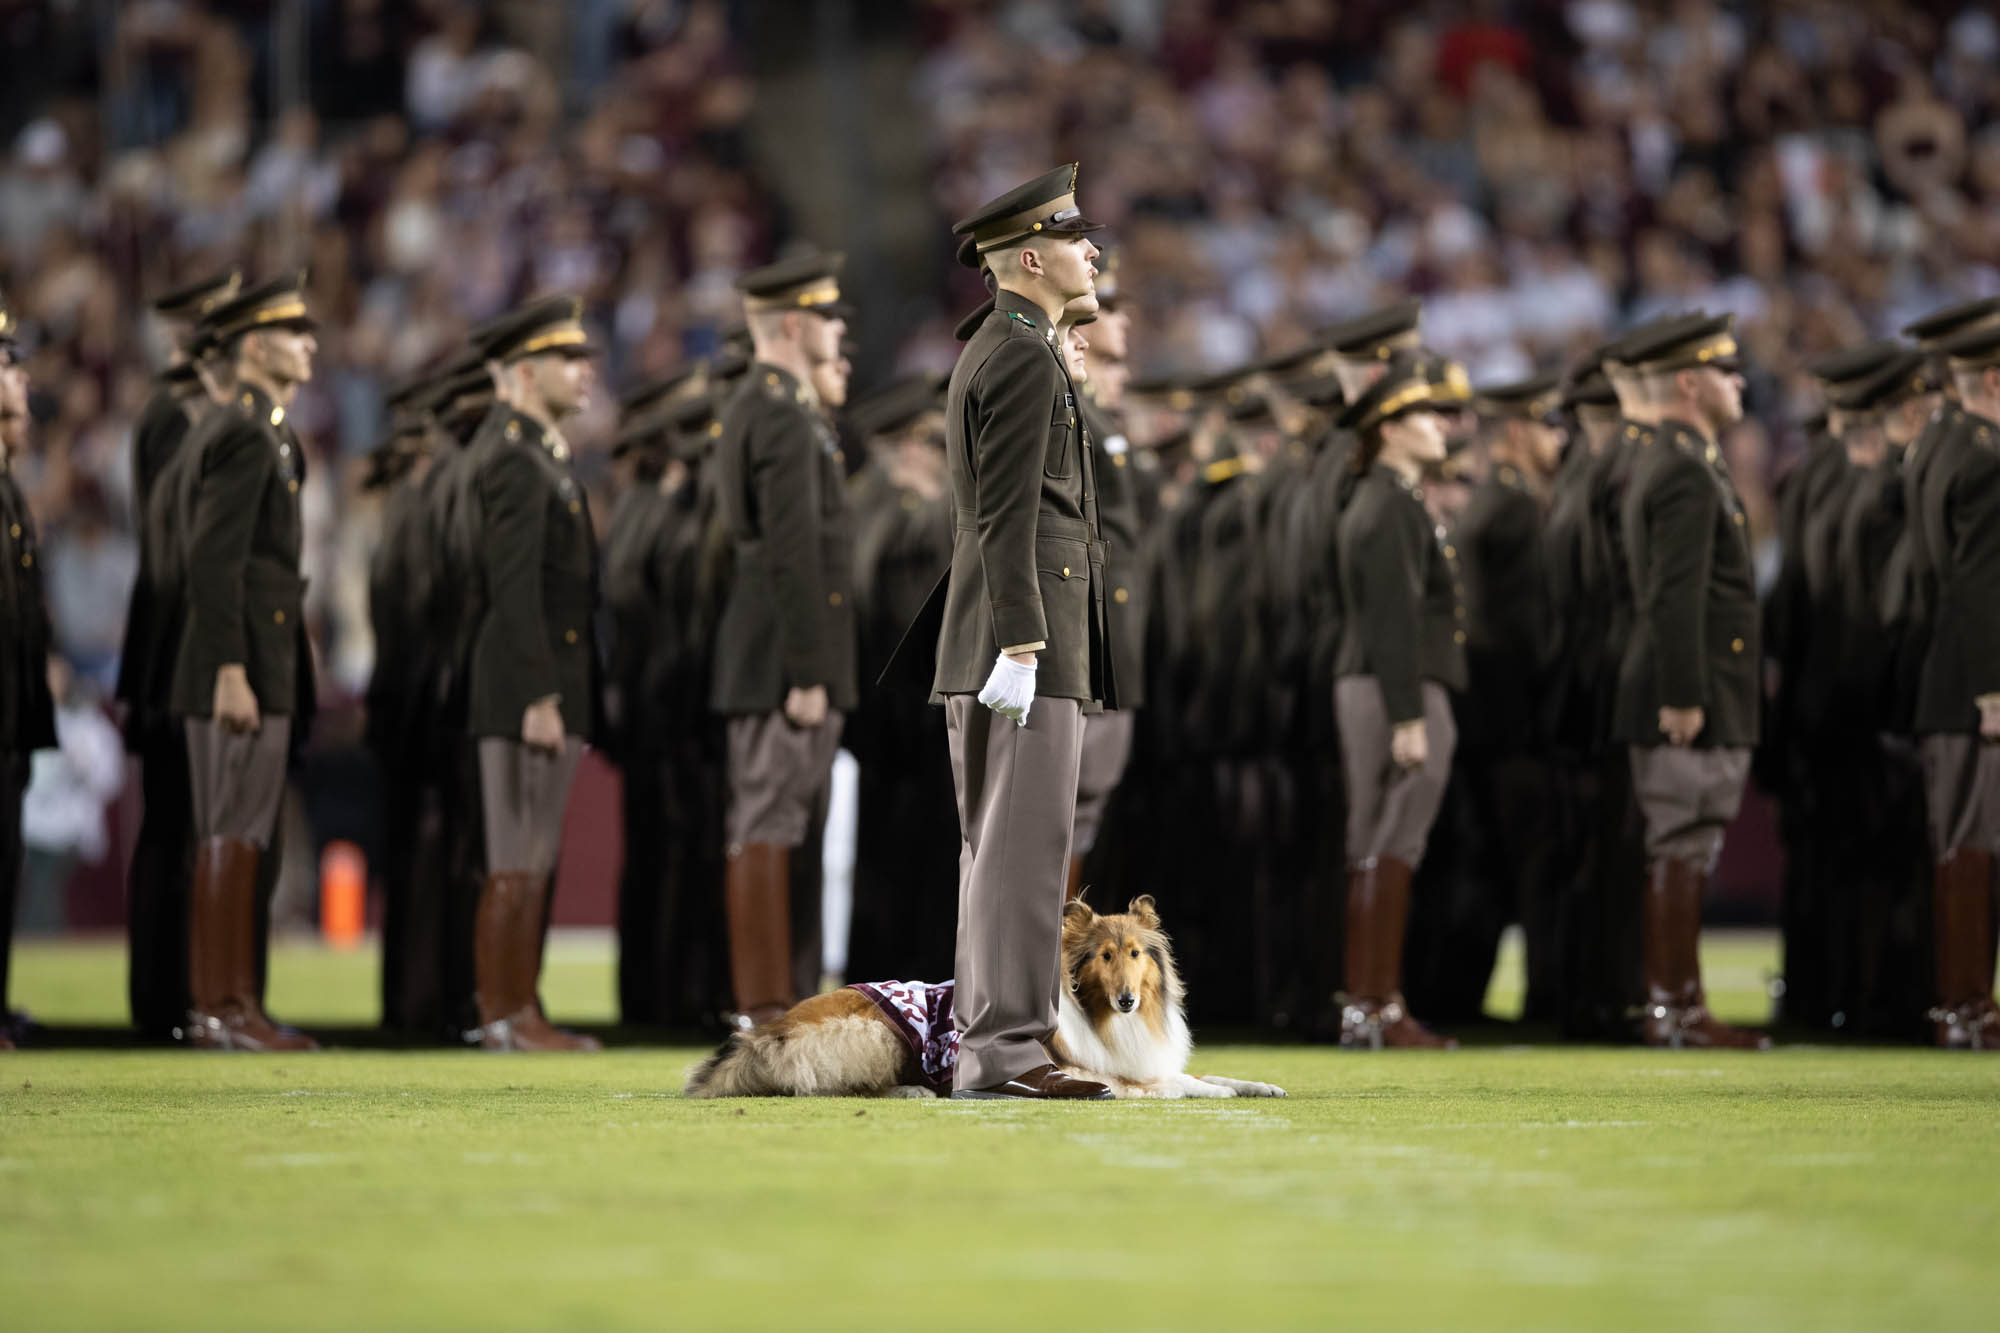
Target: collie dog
x,y
1119,1022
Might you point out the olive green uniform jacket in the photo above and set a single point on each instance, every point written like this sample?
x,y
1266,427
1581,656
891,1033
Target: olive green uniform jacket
x,y
1952,480
781,485
237,483
1694,594
1403,620
531,563
1027,562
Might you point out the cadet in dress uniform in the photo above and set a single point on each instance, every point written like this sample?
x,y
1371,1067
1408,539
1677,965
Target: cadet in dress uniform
x,y
27,711
1689,687
690,574
1504,764
532,686
1022,647
413,910
1873,928
242,682
1348,358
784,673
1809,742
635,738
1570,720
156,882
906,838
1108,735
1402,648
1603,991
463,399
1954,517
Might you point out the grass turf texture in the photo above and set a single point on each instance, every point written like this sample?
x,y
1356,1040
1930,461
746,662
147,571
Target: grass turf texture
x,y
1498,1187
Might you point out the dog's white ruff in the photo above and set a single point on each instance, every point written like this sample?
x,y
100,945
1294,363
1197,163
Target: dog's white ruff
x,y
1135,1062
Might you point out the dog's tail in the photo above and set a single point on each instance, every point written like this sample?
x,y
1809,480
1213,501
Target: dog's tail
x,y
732,1071
833,1045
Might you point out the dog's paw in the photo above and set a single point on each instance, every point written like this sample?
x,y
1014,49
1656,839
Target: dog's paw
x,y
917,1092
1238,1087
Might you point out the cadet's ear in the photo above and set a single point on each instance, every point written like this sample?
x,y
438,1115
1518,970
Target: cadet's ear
x,y
1141,907
1077,912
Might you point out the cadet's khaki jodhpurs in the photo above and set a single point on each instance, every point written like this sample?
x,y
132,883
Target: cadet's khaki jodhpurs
x,y
1688,796
1961,791
777,774
1107,748
1390,809
523,795
238,777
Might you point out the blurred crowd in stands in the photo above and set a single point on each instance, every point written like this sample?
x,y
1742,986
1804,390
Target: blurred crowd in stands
x,y
1541,173
446,160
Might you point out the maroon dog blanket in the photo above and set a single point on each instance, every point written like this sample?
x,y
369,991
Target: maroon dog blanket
x,y
921,1012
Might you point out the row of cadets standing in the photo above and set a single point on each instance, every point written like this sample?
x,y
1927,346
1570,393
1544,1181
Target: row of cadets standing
x,y
157,879
659,589
27,709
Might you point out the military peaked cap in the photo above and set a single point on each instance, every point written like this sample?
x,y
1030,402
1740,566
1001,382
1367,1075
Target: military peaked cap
x,y
1590,390
551,326
1940,325
1413,380
1045,205
1536,398
686,382
1974,349
1679,342
894,407
1377,335
198,298
276,304
1908,374
1853,364
809,282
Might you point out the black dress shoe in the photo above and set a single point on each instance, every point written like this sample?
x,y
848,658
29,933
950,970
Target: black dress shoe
x,y
1045,1083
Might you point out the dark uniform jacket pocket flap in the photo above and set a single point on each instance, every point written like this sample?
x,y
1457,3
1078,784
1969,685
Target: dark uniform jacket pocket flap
x,y
271,586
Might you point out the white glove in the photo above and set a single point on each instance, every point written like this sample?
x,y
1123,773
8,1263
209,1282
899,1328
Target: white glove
x,y
1010,690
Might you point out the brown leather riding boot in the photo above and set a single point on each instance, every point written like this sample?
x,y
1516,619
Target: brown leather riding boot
x,y
222,976
1680,885
1075,879
1374,1016
1964,1018
1659,958
758,892
507,948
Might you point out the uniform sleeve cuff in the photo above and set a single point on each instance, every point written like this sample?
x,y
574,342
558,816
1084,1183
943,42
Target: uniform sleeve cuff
x,y
1034,647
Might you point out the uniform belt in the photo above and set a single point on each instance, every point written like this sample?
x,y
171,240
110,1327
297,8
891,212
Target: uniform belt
x,y
1046,525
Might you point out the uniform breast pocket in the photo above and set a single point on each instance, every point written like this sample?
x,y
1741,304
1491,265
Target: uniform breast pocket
x,y
1060,462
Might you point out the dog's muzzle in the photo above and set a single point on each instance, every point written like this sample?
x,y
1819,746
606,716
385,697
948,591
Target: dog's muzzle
x,y
1126,1002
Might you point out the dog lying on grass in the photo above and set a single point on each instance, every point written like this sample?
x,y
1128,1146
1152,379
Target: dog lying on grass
x,y
1120,1022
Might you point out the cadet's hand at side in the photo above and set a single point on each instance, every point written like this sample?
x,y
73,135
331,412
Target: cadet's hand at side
x,y
1681,725
542,725
1989,719
806,706
1010,690
1410,744
235,701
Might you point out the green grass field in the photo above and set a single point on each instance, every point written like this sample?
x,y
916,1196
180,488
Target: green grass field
x,y
1499,1187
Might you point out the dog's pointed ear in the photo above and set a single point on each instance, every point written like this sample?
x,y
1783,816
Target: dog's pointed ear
x,y
1142,908
1077,912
